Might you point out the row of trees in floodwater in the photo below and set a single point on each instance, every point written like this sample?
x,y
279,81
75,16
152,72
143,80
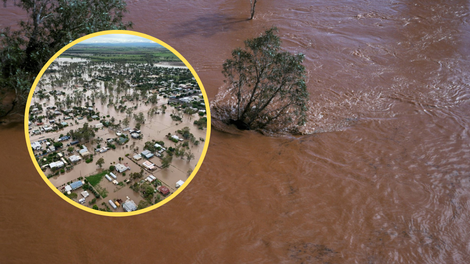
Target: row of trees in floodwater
x,y
84,84
91,80
73,86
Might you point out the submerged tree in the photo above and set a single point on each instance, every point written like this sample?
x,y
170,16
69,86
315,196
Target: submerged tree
x,y
100,162
125,122
265,86
166,161
51,25
85,133
189,155
252,8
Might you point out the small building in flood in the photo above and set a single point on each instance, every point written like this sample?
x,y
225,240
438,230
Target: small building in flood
x,y
121,168
129,206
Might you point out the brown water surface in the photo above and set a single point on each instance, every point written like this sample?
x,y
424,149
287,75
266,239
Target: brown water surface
x,y
388,181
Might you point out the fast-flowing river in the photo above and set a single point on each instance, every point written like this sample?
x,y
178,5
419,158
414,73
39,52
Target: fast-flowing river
x,y
385,180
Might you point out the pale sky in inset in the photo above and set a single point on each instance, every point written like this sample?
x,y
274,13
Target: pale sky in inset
x,y
117,38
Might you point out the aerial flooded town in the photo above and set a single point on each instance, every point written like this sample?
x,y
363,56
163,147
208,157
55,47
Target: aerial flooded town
x,y
119,126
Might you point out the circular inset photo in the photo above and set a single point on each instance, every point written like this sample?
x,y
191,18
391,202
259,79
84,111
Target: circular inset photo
x,y
117,123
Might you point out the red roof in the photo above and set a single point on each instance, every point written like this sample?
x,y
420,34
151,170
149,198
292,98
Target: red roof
x,y
164,190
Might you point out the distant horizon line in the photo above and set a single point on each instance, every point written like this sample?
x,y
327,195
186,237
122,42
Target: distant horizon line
x,y
139,42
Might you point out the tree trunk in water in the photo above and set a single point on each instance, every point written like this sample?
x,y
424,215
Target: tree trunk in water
x,y
9,100
11,109
253,5
239,124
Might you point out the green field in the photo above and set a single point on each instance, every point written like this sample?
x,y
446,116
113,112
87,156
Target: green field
x,y
95,179
137,54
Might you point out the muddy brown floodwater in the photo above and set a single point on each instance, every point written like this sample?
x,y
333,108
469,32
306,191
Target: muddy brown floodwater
x,y
386,181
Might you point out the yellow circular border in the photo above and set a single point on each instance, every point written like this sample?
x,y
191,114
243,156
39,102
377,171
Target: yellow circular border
x,y
118,214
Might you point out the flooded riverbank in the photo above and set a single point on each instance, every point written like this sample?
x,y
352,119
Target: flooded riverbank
x,y
387,183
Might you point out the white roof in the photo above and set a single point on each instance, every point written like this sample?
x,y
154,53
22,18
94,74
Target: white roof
x,y
129,206
68,188
36,145
85,194
150,178
147,153
84,153
74,158
103,149
121,168
56,164
179,183
149,165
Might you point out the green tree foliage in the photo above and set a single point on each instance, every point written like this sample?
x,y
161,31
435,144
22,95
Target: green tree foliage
x,y
51,25
142,204
92,201
85,133
89,160
267,85
147,190
185,133
201,123
158,198
150,146
125,122
136,175
100,162
189,155
139,118
166,161
179,151
153,98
